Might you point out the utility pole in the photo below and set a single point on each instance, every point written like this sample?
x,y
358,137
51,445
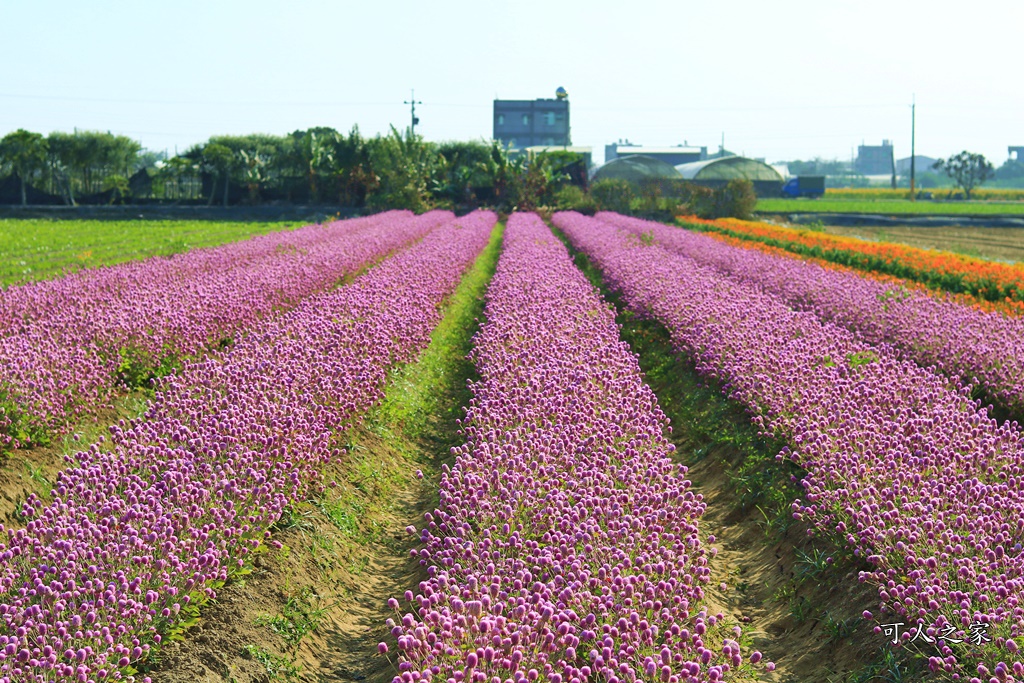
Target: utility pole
x,y
412,104
913,131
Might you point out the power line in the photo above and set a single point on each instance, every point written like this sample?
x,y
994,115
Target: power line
x,y
276,103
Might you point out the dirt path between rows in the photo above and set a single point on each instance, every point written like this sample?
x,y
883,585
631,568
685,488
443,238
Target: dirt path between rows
x,y
27,471
316,609
809,624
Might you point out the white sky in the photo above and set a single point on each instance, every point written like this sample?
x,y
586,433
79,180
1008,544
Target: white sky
x,y
784,80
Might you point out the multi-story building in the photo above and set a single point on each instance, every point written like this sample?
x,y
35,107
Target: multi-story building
x,y
529,123
875,160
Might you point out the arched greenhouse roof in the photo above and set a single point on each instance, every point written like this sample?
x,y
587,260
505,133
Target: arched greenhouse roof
x,y
634,168
727,168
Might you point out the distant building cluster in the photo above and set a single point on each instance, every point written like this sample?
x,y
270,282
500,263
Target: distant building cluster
x,y
532,126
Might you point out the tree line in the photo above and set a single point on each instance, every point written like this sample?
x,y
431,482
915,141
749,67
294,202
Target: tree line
x,y
319,165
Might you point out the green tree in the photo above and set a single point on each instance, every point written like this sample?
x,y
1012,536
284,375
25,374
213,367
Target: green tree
x,y
967,170
220,159
403,165
117,186
613,194
313,154
25,153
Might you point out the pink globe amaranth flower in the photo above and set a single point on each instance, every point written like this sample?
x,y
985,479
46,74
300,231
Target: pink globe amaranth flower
x,y
893,451
565,473
64,343
224,448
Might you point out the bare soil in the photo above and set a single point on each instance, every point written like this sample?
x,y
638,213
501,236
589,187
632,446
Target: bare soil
x,y
774,595
316,609
1000,244
346,583
34,470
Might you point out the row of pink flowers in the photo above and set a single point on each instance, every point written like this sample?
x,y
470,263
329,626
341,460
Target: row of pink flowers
x,y
64,342
154,521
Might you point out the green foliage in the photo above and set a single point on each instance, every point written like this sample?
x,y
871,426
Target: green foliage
x,y
297,619
462,173
424,390
613,194
15,422
403,166
968,170
839,629
78,163
735,200
573,198
1010,174
861,358
396,170
278,668
117,186
24,153
819,166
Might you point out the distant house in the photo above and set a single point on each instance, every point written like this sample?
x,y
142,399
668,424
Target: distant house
x,y
530,123
921,163
1016,153
874,160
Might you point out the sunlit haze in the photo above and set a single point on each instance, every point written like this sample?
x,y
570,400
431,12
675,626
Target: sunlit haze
x,y
783,81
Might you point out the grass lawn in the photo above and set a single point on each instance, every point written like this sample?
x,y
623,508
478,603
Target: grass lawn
x,y
37,249
889,207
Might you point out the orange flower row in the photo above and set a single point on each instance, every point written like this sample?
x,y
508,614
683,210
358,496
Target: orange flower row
x,y
987,280
1006,307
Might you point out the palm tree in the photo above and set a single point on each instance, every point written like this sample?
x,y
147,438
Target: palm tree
x,y
25,152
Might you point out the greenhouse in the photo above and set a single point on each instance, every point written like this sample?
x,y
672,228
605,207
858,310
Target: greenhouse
x,y
634,168
718,172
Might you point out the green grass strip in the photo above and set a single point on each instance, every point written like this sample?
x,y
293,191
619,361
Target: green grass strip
x,y
891,207
424,398
38,249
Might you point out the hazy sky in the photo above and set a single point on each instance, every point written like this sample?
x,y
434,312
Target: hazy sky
x,y
782,80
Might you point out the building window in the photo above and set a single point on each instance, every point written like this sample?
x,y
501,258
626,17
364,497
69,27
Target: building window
x,y
501,119
526,119
549,118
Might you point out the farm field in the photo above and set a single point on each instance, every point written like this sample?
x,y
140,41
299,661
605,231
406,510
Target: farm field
x,y
1004,194
995,244
891,207
991,283
410,448
40,249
